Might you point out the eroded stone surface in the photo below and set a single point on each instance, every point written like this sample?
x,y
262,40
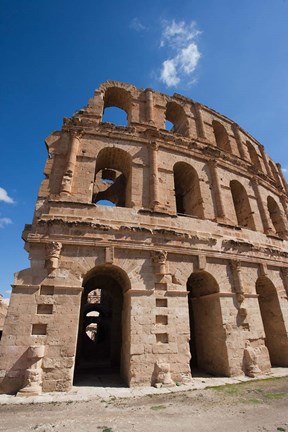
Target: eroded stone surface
x,y
3,312
187,269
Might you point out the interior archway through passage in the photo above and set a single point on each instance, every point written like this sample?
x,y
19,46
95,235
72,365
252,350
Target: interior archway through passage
x,y
276,335
207,336
116,116
99,358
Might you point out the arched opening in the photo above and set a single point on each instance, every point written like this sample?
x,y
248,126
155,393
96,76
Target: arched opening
x,y
274,171
275,216
169,126
241,205
115,115
107,203
100,346
221,136
187,190
207,335
275,333
176,119
112,184
117,106
254,158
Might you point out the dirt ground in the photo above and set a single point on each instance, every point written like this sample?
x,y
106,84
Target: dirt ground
x,y
247,407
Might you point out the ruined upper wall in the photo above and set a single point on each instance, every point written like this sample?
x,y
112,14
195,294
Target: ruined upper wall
x,y
206,166
148,109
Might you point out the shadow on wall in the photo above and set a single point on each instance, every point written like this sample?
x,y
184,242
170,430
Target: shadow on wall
x,y
3,312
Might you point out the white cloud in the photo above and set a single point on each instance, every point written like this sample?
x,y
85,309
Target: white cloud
x,y
5,197
189,58
136,25
5,221
178,34
169,73
181,39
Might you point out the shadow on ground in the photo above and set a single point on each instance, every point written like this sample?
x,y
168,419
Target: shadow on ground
x,y
98,377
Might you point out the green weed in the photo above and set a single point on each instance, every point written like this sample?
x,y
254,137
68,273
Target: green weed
x,y
105,429
252,401
275,395
232,389
158,407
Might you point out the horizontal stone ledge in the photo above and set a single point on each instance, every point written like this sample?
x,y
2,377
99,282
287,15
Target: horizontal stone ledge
x,y
224,294
246,295
176,293
25,288
67,288
275,237
217,294
147,292
47,289
139,292
124,135
193,251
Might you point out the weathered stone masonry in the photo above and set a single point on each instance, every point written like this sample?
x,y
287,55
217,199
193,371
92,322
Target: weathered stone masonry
x,y
3,312
192,261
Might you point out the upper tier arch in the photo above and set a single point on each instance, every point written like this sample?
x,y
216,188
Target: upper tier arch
x,y
205,167
191,120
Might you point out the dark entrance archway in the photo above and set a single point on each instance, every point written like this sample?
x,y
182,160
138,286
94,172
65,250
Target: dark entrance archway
x,y
99,348
276,339
207,336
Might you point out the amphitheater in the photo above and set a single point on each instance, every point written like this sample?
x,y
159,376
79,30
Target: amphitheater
x,y
185,271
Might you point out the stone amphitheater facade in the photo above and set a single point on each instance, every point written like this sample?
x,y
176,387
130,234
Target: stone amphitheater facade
x,y
187,271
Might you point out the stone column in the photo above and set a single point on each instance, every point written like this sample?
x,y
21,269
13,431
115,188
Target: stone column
x,y
150,106
263,154
66,186
33,375
53,251
162,277
284,275
154,190
283,200
161,376
236,132
199,121
238,286
220,213
159,259
263,212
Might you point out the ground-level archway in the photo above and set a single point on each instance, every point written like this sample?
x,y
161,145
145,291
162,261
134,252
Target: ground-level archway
x,y
100,348
207,336
276,339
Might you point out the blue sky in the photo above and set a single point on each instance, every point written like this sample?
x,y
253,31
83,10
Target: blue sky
x,y
227,54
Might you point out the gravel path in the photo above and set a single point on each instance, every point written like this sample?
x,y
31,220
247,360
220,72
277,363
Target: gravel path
x,y
247,407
